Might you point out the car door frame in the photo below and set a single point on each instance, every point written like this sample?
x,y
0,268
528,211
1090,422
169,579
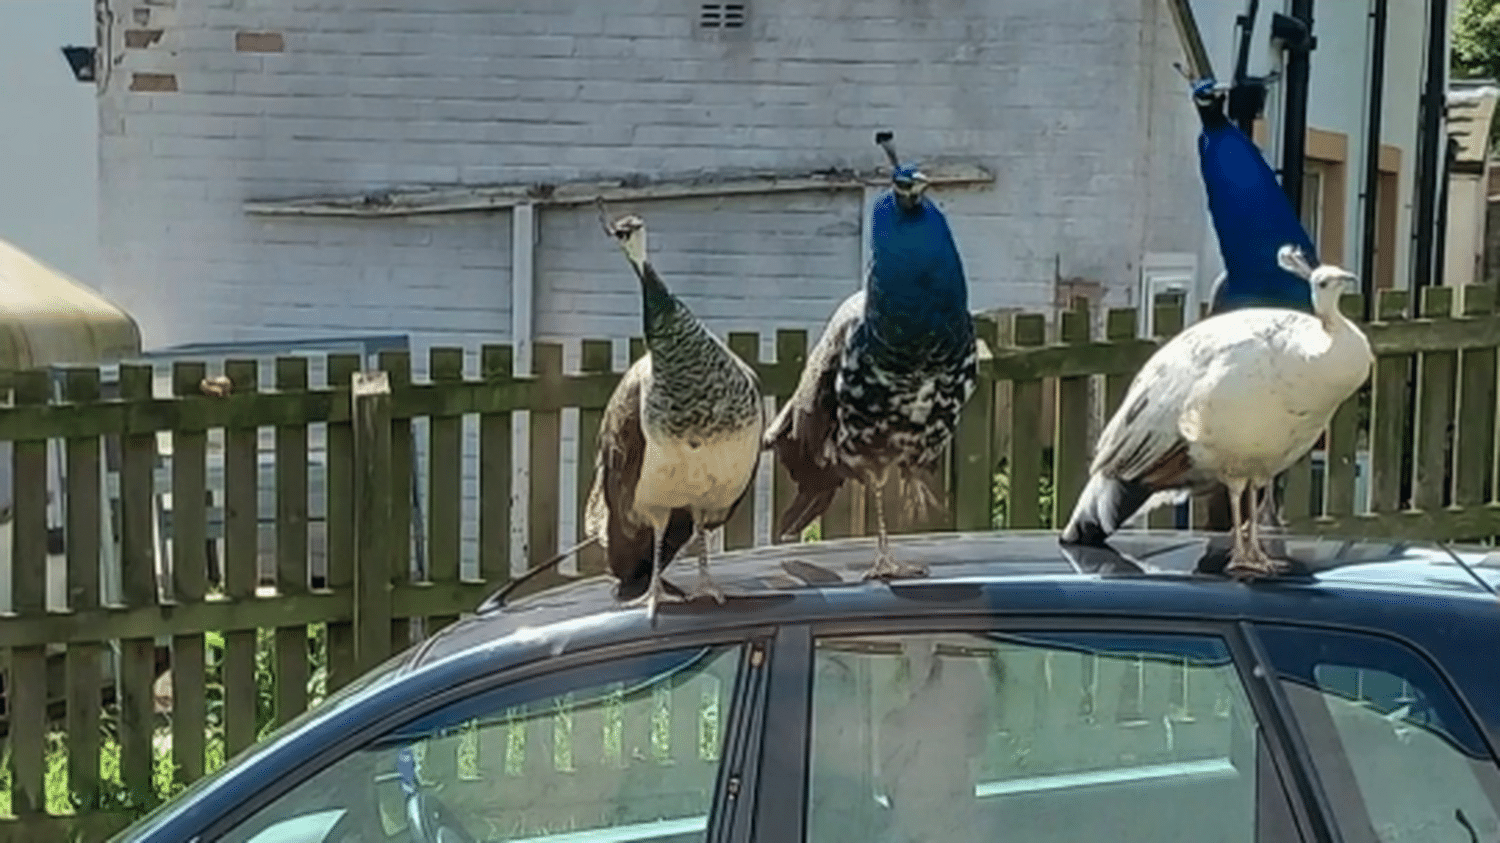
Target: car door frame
x,y
781,813
747,703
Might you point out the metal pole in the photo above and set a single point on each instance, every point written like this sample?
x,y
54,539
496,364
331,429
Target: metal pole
x,y
1298,68
1430,149
1371,208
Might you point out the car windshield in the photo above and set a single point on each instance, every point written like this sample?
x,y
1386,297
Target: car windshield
x,y
367,682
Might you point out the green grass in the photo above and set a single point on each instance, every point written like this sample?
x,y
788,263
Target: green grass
x,y
166,781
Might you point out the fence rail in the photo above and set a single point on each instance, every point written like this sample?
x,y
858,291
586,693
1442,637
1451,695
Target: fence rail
x,y
1413,455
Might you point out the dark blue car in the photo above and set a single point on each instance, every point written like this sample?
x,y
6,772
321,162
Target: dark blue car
x,y
1022,692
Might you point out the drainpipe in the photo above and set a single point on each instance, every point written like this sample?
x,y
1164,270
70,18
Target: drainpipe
x,y
1440,241
1247,96
1425,231
1371,208
522,335
1295,34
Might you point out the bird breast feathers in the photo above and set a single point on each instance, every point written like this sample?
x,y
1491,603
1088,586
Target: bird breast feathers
x,y
1285,355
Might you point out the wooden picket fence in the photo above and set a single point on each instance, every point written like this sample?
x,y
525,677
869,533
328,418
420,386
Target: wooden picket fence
x,y
80,764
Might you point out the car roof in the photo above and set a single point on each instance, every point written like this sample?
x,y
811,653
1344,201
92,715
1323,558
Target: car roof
x,y
1176,564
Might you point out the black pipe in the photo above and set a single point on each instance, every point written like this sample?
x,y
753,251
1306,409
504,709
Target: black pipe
x,y
1295,33
1246,95
1425,232
1369,227
1440,241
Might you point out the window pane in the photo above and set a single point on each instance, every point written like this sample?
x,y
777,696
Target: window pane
x,y
1397,754
1038,737
631,747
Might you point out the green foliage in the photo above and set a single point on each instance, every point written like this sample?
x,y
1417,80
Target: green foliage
x,y
1001,493
1476,39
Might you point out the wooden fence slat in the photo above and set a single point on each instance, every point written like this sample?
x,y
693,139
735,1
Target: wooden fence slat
x,y
339,471
791,355
545,468
241,562
27,683
596,356
740,530
972,498
1474,452
83,545
1388,414
444,482
291,544
1071,442
1027,442
497,363
397,365
1436,413
1166,320
375,527
1343,438
1119,326
189,581
138,568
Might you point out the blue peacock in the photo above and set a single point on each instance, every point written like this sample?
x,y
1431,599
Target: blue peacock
x,y
1253,220
881,392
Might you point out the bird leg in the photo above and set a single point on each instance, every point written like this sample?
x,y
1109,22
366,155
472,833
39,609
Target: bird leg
x,y
657,592
885,566
1248,559
706,586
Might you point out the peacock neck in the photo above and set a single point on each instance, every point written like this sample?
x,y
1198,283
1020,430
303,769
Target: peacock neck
x,y
676,340
916,294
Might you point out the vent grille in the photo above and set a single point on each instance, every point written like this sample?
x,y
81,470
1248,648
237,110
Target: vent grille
x,y
721,16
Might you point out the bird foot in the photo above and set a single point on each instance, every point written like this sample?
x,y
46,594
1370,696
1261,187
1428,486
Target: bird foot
x,y
654,596
708,588
886,568
1249,562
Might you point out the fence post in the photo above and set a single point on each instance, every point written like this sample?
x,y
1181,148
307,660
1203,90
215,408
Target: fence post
x,y
374,540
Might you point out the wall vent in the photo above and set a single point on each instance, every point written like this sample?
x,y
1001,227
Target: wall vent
x,y
721,16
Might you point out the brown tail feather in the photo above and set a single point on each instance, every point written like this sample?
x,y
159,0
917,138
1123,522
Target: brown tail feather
x,y
808,505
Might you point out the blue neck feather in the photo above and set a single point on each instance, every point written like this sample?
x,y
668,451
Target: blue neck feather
x,y
916,292
1253,220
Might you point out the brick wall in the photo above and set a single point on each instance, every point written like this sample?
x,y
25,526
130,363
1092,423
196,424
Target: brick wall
x,y
1075,106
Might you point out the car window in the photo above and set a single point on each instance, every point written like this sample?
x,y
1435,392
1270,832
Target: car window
x,y
1399,757
1038,737
623,751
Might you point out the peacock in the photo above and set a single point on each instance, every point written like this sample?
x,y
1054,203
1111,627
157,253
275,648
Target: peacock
x,y
679,442
1234,400
1252,219
881,392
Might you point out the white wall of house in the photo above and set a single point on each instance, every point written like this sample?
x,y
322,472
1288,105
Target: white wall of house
x,y
49,146
1081,119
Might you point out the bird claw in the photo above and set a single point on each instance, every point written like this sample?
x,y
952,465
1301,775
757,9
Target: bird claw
x,y
1253,563
708,588
654,596
886,568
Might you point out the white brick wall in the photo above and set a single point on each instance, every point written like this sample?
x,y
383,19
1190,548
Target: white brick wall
x,y
1074,105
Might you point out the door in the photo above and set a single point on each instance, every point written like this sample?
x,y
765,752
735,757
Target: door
x,y
1038,733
